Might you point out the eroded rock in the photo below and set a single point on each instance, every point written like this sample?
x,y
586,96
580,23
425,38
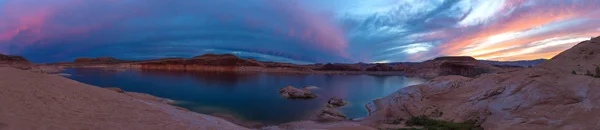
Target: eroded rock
x,y
546,96
329,114
292,92
336,102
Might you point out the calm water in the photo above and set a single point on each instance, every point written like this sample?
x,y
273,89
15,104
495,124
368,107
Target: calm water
x,y
250,96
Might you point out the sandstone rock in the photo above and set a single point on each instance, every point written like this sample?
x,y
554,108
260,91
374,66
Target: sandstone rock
x,y
330,115
63,75
49,69
291,92
442,66
40,101
336,102
546,96
119,90
238,121
312,125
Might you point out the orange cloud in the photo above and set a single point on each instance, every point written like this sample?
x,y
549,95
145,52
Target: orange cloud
x,y
510,35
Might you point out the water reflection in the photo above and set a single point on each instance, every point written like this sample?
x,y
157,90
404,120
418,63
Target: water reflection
x,y
252,96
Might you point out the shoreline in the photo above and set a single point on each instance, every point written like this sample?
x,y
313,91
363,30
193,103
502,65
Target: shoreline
x,y
158,104
55,102
241,69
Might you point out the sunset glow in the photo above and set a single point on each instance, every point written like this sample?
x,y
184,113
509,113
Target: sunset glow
x,y
300,31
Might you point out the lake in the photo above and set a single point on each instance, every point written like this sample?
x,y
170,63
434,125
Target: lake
x,y
249,96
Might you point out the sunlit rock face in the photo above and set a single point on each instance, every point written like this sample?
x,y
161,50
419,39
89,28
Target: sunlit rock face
x,y
442,66
547,96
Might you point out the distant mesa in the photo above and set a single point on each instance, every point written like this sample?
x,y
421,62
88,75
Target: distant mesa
x,y
339,67
450,65
380,67
203,60
100,60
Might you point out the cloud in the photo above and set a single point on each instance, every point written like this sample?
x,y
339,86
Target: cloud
x,y
34,28
300,31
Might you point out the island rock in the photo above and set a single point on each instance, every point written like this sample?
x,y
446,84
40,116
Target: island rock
x,y
292,92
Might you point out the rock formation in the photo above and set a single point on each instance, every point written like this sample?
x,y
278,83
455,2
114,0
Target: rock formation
x,y
204,62
336,102
100,60
547,96
380,67
292,92
331,112
8,59
455,65
339,67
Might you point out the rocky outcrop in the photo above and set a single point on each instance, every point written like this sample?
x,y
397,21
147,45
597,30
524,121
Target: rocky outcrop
x,y
331,113
295,93
380,67
204,62
585,53
339,67
336,102
9,59
286,66
547,96
442,66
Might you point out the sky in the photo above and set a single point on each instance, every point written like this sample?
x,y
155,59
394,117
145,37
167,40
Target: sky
x,y
296,31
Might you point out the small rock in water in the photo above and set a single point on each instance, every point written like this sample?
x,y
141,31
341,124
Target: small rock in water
x,y
292,92
336,102
310,88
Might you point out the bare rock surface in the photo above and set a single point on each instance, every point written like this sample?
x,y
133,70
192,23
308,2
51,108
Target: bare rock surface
x,y
41,101
450,65
336,102
331,113
292,92
547,96
312,125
